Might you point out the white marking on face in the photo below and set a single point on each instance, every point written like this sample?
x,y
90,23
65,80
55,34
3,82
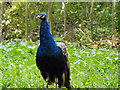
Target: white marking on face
x,y
43,16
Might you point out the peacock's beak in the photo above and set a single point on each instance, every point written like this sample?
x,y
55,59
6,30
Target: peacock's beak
x,y
38,16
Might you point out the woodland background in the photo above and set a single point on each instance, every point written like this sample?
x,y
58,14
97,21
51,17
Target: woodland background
x,y
80,22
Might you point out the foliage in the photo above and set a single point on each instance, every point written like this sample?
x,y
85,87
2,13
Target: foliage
x,y
90,68
117,17
77,16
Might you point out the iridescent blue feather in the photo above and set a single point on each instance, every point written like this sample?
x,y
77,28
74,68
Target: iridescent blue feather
x,y
47,44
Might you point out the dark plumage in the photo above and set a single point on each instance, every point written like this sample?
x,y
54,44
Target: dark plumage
x,y
51,58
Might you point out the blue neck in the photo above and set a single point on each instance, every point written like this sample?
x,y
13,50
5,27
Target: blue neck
x,y
47,43
46,38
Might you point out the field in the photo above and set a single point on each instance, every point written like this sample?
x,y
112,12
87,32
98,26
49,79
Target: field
x,y
90,68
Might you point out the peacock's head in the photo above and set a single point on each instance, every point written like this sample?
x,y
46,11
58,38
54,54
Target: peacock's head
x,y
42,16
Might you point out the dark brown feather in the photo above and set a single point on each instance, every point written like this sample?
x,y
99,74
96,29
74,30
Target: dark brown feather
x,y
67,72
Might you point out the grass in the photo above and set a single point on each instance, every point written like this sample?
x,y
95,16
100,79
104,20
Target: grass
x,y
90,68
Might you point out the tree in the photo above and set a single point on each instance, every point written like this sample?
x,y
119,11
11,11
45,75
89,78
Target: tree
x,y
1,12
117,18
91,19
113,17
26,21
64,20
50,15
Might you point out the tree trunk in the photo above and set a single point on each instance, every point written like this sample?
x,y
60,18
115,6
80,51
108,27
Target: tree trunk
x,y
50,16
65,21
113,17
86,14
26,20
1,13
86,9
91,19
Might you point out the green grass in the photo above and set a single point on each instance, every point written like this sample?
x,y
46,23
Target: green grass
x,y
90,68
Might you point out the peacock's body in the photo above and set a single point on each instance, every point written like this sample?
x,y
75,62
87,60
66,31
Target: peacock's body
x,y
50,59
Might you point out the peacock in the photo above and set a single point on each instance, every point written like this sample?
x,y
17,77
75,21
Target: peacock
x,y
52,58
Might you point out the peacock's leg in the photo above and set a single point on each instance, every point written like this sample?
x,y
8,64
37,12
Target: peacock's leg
x,y
56,85
47,86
